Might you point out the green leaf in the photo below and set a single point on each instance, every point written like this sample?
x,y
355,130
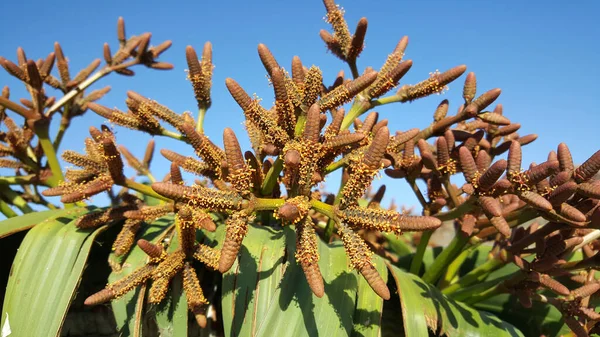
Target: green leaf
x,y
128,309
171,314
425,309
266,294
26,221
45,275
369,306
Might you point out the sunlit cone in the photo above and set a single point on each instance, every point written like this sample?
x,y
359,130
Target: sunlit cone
x,y
236,229
307,255
588,169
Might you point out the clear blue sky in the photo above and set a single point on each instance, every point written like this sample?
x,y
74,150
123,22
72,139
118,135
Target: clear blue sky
x,y
542,54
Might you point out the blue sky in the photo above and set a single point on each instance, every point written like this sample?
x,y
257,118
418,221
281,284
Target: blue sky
x,y
542,54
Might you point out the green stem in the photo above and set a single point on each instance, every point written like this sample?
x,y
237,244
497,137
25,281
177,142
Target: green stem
x,y
144,189
332,221
200,123
454,267
267,204
359,107
323,208
445,258
271,177
20,180
335,165
15,199
386,100
417,260
413,185
64,124
48,148
482,296
457,211
452,192
484,288
353,69
6,210
476,275
173,135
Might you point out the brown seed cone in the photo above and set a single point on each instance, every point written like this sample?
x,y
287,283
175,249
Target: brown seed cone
x,y
344,140
553,285
312,86
357,42
100,297
372,277
400,139
564,158
236,229
158,290
535,200
527,139
267,59
468,165
186,230
307,255
470,87
491,175
590,189
441,111
494,118
126,237
154,251
588,169
562,193
113,161
501,225
540,172
482,102
585,290
387,80
572,213
375,152
205,149
171,265
207,255
298,71
191,286
490,205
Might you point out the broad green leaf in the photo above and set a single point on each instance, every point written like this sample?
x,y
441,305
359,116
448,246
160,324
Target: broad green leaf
x,y
266,294
425,309
128,309
369,306
45,275
26,221
171,314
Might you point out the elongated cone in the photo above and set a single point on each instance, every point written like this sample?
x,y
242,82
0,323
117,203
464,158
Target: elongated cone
x,y
564,158
491,175
535,200
482,102
360,257
540,172
468,165
562,193
470,87
514,159
236,229
588,169
307,255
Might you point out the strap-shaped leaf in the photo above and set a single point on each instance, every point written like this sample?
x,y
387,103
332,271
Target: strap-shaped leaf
x,y
25,221
425,310
46,273
266,293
